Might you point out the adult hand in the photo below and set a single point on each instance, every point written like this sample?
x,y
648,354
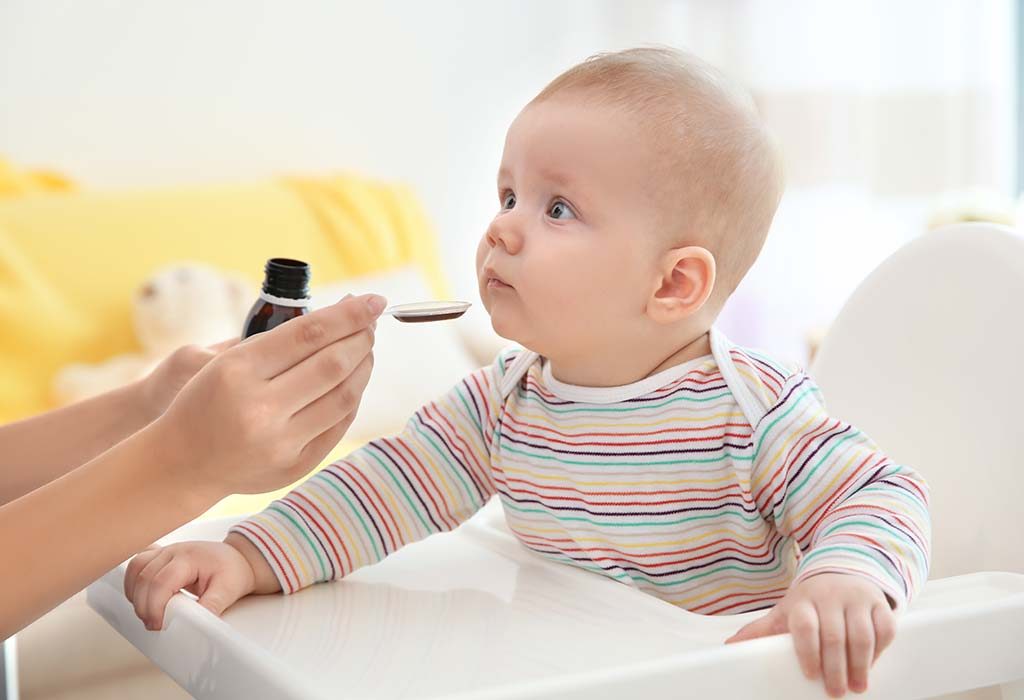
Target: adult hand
x,y
159,387
263,413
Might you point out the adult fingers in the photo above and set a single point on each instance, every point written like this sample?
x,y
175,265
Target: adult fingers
x,y
225,344
320,446
337,404
282,348
311,379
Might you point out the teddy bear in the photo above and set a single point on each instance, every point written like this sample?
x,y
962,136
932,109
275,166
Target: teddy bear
x,y
182,304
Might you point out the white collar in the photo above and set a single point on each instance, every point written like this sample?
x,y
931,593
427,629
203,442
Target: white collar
x,y
616,394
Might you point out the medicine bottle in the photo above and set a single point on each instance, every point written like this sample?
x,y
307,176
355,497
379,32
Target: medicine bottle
x,y
284,296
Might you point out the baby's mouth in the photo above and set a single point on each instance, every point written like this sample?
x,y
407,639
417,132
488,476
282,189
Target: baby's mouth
x,y
495,283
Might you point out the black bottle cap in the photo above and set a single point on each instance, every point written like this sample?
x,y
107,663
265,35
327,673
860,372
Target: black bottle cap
x,y
286,278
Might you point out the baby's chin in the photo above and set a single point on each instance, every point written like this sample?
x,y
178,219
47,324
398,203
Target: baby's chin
x,y
510,318
502,326
504,321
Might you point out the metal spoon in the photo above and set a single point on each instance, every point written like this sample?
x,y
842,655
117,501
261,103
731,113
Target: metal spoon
x,y
423,311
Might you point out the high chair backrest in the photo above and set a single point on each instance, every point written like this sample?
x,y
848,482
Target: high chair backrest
x,y
927,357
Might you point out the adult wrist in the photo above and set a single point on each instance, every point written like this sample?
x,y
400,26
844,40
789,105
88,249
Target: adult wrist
x,y
176,471
142,403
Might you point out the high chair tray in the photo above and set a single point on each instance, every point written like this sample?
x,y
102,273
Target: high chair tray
x,y
473,614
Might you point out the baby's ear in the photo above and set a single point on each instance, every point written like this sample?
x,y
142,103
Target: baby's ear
x,y
686,277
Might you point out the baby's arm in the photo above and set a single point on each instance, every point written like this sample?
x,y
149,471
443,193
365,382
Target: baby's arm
x,y
850,509
862,525
430,478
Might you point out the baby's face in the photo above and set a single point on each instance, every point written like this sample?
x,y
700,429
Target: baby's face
x,y
568,263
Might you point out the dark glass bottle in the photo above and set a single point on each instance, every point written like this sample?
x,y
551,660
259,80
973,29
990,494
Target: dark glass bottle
x,y
285,295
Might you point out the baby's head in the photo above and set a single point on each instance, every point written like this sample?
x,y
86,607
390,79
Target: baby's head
x,y
635,192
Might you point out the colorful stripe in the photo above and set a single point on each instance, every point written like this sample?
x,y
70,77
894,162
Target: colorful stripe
x,y
672,492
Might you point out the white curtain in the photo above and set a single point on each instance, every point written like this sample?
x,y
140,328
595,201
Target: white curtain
x,y
880,108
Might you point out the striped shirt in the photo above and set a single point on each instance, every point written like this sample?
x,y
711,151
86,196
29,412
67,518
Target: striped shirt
x,y
663,485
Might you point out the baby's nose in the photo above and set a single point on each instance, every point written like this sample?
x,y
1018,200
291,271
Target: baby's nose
x,y
506,234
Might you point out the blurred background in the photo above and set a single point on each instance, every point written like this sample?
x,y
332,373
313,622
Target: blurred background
x,y
365,138
891,115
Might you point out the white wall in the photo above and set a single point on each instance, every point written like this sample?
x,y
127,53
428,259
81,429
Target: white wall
x,y
141,93
147,92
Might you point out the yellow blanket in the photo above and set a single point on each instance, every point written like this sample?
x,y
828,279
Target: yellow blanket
x,y
15,182
69,262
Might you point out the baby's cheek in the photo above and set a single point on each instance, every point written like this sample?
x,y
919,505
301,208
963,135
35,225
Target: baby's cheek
x,y
600,305
481,253
571,306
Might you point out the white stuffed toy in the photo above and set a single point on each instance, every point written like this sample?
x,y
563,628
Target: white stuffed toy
x,y
184,304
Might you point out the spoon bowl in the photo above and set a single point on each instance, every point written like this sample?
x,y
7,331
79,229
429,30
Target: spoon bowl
x,y
424,311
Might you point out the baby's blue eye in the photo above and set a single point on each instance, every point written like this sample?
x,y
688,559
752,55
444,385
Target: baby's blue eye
x,y
561,210
508,201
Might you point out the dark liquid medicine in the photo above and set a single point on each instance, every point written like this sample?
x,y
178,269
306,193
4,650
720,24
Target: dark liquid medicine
x,y
410,318
285,295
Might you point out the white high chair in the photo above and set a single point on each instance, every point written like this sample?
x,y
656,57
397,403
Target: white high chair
x,y
473,614
926,358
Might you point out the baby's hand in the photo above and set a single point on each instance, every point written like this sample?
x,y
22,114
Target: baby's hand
x,y
218,572
840,624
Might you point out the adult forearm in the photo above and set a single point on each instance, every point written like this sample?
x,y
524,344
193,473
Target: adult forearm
x,y
40,449
59,538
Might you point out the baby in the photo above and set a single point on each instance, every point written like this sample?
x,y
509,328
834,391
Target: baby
x,y
629,437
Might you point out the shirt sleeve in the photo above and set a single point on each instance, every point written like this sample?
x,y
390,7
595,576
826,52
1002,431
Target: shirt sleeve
x,y
429,478
849,508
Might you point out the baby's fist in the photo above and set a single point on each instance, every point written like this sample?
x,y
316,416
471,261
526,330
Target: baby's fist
x,y
840,624
216,572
